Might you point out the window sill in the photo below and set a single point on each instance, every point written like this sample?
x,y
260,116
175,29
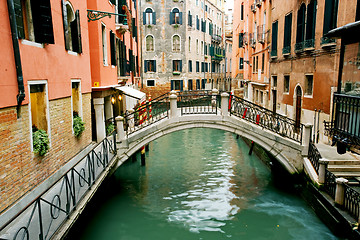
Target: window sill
x,y
286,93
308,96
72,53
176,73
31,43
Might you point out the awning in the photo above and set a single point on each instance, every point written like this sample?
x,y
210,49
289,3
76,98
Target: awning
x,y
131,92
259,84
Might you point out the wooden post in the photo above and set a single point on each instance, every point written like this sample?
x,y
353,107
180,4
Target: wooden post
x,y
147,147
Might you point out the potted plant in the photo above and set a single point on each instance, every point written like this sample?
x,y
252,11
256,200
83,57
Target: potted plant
x,y
40,141
78,125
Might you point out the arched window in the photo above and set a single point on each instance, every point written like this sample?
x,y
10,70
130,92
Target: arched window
x,y
149,43
71,28
176,43
149,17
175,16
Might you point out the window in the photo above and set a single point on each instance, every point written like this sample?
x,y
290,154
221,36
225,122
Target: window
x,y
190,66
149,17
241,40
202,47
189,44
112,49
300,31
286,84
176,43
357,18
242,12
287,34
197,66
39,107
202,67
72,31
197,84
104,45
263,63
190,19
175,16
34,20
241,63
197,22
309,85
203,83
197,46
274,81
177,65
190,84
177,85
274,39
310,24
149,43
76,101
256,64
330,15
150,65
150,83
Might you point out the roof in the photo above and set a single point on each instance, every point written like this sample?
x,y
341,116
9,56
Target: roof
x,y
349,30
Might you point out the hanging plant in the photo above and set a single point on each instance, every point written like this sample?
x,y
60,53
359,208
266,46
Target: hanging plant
x,y
110,128
176,26
78,126
40,142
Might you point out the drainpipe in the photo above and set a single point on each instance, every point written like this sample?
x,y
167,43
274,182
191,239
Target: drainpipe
x,y
21,94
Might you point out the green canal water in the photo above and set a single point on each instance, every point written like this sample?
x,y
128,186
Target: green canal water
x,y
197,184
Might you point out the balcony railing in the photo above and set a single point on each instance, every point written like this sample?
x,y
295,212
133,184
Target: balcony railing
x,y
286,50
261,34
273,53
252,39
299,47
246,38
309,44
216,38
258,2
253,7
325,41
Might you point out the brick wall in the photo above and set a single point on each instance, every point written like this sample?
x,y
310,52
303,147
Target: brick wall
x,y
158,90
20,169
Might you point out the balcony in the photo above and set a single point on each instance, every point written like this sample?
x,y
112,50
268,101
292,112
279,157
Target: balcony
x,y
258,2
261,34
216,38
217,58
299,47
252,39
327,42
309,44
286,50
253,8
246,38
273,53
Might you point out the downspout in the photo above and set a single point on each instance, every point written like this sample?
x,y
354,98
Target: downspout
x,y
21,94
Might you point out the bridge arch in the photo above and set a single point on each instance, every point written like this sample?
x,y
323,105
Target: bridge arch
x,y
287,152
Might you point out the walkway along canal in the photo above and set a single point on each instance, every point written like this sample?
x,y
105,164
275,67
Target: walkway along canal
x,y
197,184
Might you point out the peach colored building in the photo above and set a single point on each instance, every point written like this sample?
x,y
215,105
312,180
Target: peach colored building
x,y
48,67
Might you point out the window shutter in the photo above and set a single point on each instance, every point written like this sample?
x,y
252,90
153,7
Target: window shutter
x,y
42,21
112,48
66,27
274,36
181,85
180,18
113,2
172,84
171,18
154,63
76,33
173,63
154,18
145,65
328,16
19,19
144,18
180,69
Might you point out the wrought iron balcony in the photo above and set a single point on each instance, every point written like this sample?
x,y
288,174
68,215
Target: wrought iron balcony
x,y
325,41
216,38
258,2
253,7
286,50
299,47
252,39
309,44
246,38
273,53
261,34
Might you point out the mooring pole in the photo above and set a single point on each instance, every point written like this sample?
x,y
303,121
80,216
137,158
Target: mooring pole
x,y
251,147
237,136
143,156
147,147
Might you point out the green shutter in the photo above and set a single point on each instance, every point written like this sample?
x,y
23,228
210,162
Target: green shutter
x,y
274,36
19,19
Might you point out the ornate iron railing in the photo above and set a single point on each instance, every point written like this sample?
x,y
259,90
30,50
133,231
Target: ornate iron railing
x,y
47,213
147,114
286,50
309,44
330,183
352,201
265,118
198,102
326,40
299,47
314,156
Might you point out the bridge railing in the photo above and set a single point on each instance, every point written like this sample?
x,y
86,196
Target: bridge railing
x,y
147,114
48,212
314,156
198,102
265,118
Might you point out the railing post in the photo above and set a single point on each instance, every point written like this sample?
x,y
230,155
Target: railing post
x,y
340,191
131,121
225,104
173,106
306,139
120,136
322,169
214,94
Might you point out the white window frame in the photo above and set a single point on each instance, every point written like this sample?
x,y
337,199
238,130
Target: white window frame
x,y
153,43
150,80
38,82
80,103
104,44
172,42
312,92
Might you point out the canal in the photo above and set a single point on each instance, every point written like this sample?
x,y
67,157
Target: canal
x,y
197,184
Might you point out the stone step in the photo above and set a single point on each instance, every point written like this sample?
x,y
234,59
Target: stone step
x,y
347,174
344,162
344,168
